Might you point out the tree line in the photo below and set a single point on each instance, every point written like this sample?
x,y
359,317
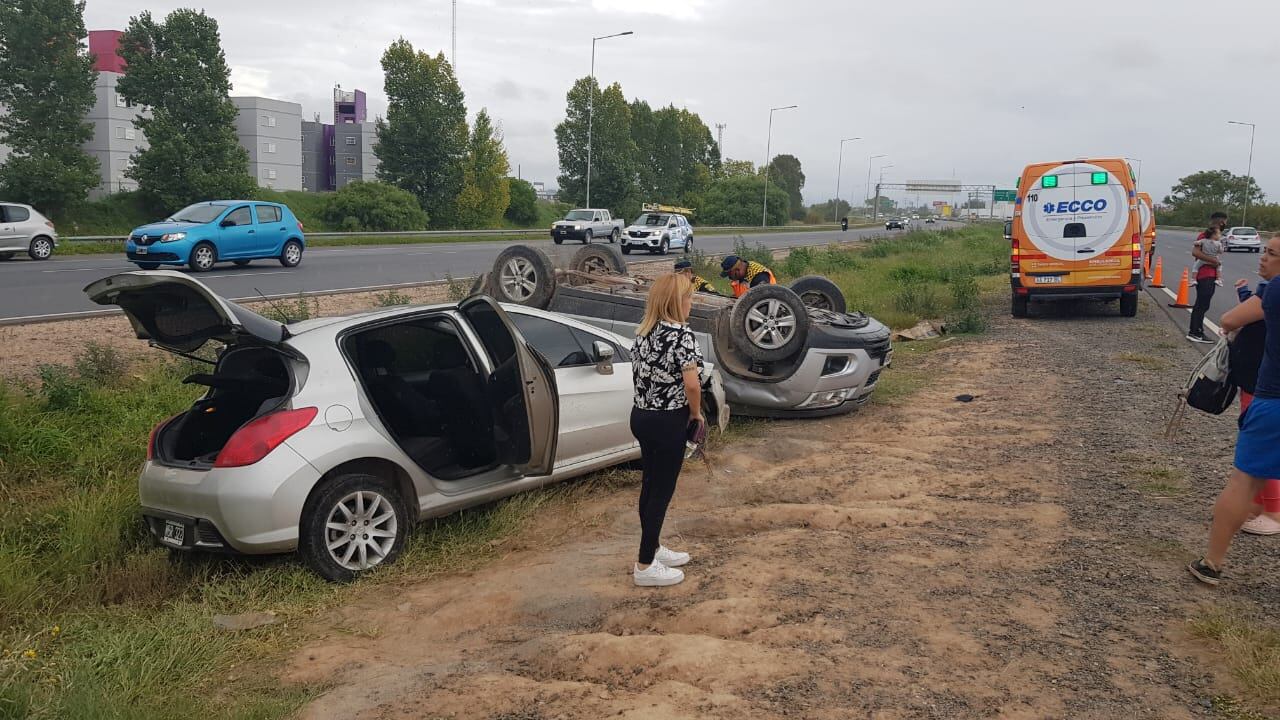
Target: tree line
x,y
435,169
1198,195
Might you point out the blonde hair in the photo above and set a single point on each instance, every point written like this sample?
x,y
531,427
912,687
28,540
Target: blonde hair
x,y
665,302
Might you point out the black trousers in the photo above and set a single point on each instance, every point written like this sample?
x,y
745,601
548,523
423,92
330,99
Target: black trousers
x,y
662,437
1204,295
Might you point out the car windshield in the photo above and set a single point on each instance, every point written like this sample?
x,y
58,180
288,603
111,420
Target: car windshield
x,y
651,219
1244,231
198,213
579,215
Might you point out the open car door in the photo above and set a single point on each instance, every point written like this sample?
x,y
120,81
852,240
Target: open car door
x,y
521,390
180,314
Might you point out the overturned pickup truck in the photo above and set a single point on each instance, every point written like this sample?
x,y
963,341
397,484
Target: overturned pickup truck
x,y
783,351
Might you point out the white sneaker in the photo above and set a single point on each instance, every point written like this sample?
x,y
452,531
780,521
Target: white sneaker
x,y
656,575
1262,525
671,558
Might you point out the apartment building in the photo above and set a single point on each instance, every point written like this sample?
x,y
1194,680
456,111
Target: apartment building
x,y
271,131
116,136
353,156
337,154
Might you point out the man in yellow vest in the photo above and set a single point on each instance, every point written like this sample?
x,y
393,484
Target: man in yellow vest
x,y
700,283
745,274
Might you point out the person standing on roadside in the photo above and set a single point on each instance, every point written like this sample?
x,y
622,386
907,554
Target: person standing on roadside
x,y
1247,345
668,398
1207,251
1258,443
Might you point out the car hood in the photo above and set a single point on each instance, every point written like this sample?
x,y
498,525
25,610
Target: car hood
x,y
645,228
161,228
571,222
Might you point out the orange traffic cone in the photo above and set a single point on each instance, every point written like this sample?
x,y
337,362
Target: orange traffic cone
x,y
1184,291
1157,281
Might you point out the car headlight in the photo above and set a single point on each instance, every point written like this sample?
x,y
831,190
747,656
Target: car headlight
x,y
171,237
577,227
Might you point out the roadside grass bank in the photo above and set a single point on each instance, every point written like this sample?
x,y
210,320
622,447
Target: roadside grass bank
x,y
1250,647
97,622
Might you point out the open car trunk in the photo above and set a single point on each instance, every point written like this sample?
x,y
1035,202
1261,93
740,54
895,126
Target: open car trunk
x,y
246,383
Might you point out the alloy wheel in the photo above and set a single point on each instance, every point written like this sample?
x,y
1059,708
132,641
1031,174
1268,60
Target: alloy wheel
x,y
42,248
770,324
518,279
361,530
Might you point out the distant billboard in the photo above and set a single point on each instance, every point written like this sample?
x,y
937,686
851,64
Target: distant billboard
x,y
934,186
939,203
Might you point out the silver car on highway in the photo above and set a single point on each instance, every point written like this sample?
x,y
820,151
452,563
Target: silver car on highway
x,y
24,230
332,436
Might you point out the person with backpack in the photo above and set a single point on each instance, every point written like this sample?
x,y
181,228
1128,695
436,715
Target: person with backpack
x,y
1257,455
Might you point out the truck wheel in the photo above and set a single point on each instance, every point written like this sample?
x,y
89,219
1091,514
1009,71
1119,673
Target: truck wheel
x,y
523,275
557,239
1020,306
1129,304
598,260
818,292
769,323
615,236
626,249
586,239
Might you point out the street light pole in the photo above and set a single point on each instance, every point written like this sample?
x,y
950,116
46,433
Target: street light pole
x,y
866,189
768,148
591,105
876,208
1248,175
839,170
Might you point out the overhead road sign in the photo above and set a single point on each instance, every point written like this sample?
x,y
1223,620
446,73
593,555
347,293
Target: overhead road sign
x,y
934,186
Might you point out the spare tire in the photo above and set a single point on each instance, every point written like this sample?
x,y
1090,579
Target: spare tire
x,y
816,291
523,275
598,260
769,323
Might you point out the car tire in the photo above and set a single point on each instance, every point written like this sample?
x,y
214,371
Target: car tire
x,y
1129,304
41,248
662,249
557,240
626,249
523,275
370,503
688,245
147,266
598,259
586,238
1019,306
769,323
291,254
816,291
615,236
242,263
203,257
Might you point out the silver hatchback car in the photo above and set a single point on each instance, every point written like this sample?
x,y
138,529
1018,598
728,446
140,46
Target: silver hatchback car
x,y
24,230
333,436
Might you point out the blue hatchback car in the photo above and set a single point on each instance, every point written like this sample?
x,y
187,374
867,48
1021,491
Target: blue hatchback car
x,y
207,233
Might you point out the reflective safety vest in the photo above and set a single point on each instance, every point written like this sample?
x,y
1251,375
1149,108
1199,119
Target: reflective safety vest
x,y
701,285
740,287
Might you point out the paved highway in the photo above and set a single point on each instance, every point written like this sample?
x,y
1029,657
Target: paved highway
x,y
1175,247
32,291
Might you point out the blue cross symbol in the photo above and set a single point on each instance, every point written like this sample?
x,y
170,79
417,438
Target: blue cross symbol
x,y
1048,208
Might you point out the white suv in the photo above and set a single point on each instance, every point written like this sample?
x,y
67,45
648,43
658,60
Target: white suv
x,y
23,229
658,232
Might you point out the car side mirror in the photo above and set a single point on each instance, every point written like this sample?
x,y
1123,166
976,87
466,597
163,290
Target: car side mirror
x,y
604,357
228,222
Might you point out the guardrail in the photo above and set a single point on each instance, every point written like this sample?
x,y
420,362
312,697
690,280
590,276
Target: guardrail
x,y
483,233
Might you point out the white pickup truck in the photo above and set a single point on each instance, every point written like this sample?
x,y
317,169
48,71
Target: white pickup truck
x,y
586,225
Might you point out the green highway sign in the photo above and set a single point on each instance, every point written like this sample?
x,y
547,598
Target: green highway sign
x,y
1005,196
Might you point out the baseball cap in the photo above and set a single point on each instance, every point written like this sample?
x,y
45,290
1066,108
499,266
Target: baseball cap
x,y
727,264
683,264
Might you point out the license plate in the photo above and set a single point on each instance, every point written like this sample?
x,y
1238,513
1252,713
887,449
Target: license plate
x,y
142,251
174,533
1048,279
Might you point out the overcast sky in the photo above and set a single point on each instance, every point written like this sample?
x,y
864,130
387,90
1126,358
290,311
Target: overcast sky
x,y
973,90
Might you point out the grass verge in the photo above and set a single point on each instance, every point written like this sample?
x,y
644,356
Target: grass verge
x,y
1250,645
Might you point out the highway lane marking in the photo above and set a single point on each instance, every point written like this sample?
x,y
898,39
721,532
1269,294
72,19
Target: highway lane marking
x,y
247,274
435,252
92,269
1207,322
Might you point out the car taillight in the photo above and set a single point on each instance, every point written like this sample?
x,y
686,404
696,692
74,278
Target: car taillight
x,y
300,228
1013,253
50,224
257,439
1137,250
155,432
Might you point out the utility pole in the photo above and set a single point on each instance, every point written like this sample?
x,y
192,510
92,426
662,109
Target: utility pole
x,y
866,189
768,148
720,138
453,53
1248,175
591,105
839,170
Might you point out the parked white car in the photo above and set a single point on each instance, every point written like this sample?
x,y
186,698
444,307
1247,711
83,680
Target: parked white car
x,y
23,229
658,232
333,436
1242,238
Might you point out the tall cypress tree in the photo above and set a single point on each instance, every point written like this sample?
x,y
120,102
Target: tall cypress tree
x,y
46,88
178,71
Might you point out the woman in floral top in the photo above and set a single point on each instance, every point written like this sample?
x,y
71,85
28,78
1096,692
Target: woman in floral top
x,y
665,362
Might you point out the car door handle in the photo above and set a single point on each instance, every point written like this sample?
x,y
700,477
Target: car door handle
x,y
251,232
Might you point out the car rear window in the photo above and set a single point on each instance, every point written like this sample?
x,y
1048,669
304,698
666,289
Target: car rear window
x,y
268,214
1245,231
13,213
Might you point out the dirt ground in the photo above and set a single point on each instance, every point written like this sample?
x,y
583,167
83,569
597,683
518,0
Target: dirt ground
x,y
1006,557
